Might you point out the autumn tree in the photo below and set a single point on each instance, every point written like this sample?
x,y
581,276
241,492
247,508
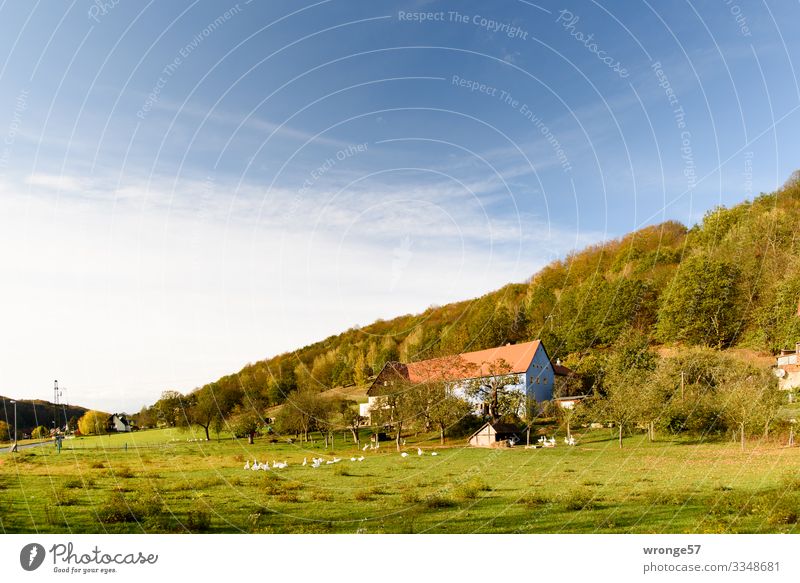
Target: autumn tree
x,y
350,417
40,432
750,403
702,304
244,422
397,408
169,408
5,431
621,404
93,423
491,389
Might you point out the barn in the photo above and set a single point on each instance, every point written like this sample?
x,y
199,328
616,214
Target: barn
x,y
494,434
527,363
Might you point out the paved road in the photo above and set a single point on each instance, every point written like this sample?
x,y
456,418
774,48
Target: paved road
x,y
25,446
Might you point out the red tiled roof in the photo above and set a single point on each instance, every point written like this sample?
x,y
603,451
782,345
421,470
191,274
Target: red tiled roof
x,y
508,359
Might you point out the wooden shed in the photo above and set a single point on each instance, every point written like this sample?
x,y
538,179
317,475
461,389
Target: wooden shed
x,y
492,434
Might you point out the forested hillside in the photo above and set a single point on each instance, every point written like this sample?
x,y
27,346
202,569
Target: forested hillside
x,y
35,413
732,280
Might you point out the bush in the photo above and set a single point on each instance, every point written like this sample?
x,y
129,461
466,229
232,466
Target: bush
x,y
40,432
435,501
198,521
580,500
470,490
410,496
119,508
535,500
123,472
363,495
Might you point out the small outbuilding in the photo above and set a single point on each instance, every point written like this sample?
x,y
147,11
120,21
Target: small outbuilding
x,y
492,434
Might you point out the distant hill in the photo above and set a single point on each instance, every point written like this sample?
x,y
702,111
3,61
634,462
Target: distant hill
x,y
733,280
32,413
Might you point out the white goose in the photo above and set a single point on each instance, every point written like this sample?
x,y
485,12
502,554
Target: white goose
x,y
247,465
419,451
404,454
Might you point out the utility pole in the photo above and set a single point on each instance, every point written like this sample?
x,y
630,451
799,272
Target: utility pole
x,y
56,395
14,447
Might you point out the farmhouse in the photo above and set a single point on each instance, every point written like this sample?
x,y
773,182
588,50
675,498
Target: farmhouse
x,y
493,434
525,368
787,369
118,423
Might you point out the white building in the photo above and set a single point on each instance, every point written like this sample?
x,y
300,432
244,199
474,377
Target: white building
x,y
528,362
787,369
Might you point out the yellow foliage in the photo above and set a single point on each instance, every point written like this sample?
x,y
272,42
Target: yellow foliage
x,y
93,423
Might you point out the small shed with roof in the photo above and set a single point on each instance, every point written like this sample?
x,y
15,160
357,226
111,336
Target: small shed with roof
x,y
493,433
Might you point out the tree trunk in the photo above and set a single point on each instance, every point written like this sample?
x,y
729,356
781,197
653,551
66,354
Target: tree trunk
x,y
620,435
356,438
250,438
528,436
208,437
397,438
569,431
741,427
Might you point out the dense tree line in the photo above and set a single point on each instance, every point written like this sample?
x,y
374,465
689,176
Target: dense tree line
x,y
733,280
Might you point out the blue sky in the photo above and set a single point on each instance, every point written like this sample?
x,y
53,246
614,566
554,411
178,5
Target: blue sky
x,y
186,187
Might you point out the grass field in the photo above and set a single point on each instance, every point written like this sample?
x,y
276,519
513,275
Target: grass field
x,y
164,483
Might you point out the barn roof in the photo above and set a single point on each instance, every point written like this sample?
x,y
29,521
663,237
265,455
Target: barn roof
x,y
499,428
467,365
561,370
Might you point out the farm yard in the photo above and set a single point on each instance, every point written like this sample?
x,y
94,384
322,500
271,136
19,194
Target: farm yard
x,y
170,481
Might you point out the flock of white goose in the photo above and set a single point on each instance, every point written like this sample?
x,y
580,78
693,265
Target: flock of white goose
x,y
318,462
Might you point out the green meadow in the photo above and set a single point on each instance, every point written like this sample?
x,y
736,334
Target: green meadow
x,y
160,481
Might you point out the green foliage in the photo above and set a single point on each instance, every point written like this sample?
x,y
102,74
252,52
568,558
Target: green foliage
x,y
40,432
703,304
5,431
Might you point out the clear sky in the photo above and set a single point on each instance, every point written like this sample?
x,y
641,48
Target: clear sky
x,y
186,187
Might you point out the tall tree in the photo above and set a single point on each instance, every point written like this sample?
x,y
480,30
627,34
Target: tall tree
x,y
491,389
702,304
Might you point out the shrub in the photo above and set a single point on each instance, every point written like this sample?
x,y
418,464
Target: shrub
x,y
123,472
470,490
363,495
580,500
119,508
410,496
534,500
288,497
63,498
198,521
783,516
322,496
439,501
